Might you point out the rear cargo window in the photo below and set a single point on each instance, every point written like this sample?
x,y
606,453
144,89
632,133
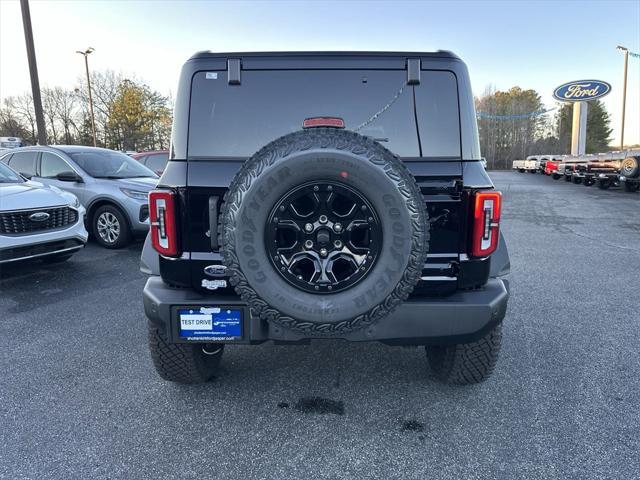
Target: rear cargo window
x,y
237,120
438,115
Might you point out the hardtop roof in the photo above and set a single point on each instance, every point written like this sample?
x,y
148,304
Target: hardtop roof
x,y
205,54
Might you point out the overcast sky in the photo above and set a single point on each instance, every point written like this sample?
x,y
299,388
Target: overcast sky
x,y
537,45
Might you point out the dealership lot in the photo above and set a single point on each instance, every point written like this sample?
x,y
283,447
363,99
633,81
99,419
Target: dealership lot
x,y
79,397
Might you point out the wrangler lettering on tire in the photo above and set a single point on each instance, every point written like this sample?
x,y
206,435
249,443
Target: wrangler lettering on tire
x,y
324,231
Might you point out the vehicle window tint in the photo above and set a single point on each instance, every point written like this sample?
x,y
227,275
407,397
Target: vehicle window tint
x,y
438,114
24,162
51,165
237,120
157,162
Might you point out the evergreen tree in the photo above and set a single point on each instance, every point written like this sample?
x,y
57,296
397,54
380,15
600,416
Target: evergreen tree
x,y
598,131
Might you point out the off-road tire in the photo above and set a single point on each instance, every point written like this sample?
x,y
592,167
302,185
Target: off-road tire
x,y
630,167
603,183
466,363
567,178
588,182
322,154
576,180
124,237
183,362
631,186
555,176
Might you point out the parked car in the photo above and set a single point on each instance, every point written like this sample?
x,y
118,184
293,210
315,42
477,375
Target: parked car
x,y
566,167
518,165
551,166
528,165
37,221
601,169
544,159
324,232
112,186
630,171
155,160
531,164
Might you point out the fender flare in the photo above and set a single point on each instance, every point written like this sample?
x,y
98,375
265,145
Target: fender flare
x,y
500,262
149,259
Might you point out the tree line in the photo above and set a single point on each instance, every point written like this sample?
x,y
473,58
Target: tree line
x,y
515,135
129,115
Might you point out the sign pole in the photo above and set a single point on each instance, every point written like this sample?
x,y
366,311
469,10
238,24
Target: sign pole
x,y
579,128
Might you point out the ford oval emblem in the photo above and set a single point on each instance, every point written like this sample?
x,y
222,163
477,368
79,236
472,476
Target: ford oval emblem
x,y
39,217
215,270
581,91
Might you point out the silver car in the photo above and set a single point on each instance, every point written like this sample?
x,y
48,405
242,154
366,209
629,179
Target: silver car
x,y
37,221
112,186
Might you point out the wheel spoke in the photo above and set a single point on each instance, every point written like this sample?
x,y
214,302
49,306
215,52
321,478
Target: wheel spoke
x,y
323,237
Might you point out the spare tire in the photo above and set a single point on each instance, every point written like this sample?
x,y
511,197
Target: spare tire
x,y
324,232
630,167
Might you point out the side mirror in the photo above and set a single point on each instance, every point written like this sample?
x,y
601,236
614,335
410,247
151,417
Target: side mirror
x,y
69,177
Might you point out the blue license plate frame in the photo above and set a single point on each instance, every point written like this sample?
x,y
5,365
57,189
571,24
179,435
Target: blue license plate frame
x,y
209,324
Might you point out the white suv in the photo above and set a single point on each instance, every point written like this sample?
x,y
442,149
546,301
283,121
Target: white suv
x,y
38,221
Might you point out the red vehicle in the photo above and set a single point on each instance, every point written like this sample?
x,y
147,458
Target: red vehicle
x,y
551,166
154,160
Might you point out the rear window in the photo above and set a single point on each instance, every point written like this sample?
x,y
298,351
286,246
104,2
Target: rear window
x,y
237,120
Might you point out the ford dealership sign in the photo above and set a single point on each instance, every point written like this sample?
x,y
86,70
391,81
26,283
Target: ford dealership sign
x,y
581,91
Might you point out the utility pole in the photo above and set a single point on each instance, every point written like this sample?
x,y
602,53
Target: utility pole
x,y
624,92
33,71
86,66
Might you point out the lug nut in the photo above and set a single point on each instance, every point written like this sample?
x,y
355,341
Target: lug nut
x,y
323,252
282,208
330,188
337,244
323,219
316,188
308,244
337,227
308,227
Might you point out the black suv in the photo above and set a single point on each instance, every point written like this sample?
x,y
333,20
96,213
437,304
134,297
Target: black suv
x,y
325,195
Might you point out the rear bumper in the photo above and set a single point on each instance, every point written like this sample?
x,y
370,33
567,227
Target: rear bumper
x,y
461,317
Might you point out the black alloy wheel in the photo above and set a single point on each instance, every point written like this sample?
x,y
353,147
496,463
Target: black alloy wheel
x,y
323,237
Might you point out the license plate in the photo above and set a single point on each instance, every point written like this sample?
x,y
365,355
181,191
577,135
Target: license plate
x,y
210,323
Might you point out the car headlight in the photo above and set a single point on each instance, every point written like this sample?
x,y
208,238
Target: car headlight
x,y
136,194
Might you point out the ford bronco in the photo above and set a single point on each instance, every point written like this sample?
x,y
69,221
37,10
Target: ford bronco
x,y
334,195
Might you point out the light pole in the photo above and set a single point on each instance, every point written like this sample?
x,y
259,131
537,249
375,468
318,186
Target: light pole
x,y
624,92
33,72
86,66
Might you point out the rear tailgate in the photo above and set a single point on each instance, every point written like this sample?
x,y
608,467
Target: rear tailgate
x,y
228,123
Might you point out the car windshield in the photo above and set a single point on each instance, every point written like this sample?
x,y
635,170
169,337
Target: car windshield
x,y
109,164
9,176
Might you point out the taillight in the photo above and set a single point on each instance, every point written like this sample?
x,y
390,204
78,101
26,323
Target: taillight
x,y
162,216
486,223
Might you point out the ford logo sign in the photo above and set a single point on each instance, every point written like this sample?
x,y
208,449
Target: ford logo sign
x,y
39,217
581,91
215,270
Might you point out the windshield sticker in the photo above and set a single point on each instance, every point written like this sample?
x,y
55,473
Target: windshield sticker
x,y
212,76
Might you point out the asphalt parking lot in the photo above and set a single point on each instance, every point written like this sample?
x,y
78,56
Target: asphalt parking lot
x,y
79,397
